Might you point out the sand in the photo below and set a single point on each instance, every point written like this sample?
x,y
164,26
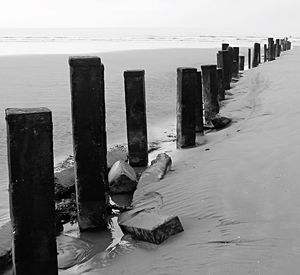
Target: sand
x,y
237,196
43,80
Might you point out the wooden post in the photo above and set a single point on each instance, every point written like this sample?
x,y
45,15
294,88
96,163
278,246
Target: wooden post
x,y
221,90
31,191
230,50
210,91
187,87
225,46
236,52
256,53
271,49
265,53
224,63
249,58
136,117
242,63
199,105
89,140
277,48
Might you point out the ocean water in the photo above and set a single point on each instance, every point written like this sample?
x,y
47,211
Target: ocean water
x,y
34,73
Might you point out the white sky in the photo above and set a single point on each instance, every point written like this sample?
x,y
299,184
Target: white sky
x,y
255,17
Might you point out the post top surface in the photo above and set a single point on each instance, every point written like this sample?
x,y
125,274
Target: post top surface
x,y
223,51
187,70
84,61
134,73
26,111
208,67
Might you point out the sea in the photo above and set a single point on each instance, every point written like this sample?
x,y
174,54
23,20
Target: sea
x,y
29,78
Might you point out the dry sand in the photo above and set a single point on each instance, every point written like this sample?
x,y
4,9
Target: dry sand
x,y
237,196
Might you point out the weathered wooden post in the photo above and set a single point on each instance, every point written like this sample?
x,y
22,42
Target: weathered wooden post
x,y
271,49
265,53
224,63
256,53
89,140
31,191
221,90
225,46
230,50
136,117
210,92
249,58
277,48
236,52
187,87
199,105
242,63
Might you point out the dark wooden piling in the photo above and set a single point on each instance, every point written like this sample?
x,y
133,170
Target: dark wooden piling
x,y
187,87
277,48
31,191
89,140
236,52
256,55
210,92
136,117
265,53
199,105
271,49
249,58
225,46
242,63
221,90
224,63
230,50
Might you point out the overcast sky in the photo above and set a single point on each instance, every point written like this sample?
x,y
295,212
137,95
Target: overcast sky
x,y
255,17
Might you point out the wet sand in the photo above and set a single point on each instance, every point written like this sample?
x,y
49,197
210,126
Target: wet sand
x,y
237,196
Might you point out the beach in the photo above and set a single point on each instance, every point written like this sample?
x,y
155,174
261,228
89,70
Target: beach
x,y
43,81
236,195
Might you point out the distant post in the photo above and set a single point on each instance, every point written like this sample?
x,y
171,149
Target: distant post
x,y
225,46
236,52
136,117
230,50
265,53
277,48
224,63
89,140
221,90
256,53
31,190
187,84
271,49
199,105
210,91
242,63
249,58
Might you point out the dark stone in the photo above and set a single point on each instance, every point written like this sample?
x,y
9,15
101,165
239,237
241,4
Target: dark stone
x,y
187,87
151,227
31,190
136,117
221,122
89,139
